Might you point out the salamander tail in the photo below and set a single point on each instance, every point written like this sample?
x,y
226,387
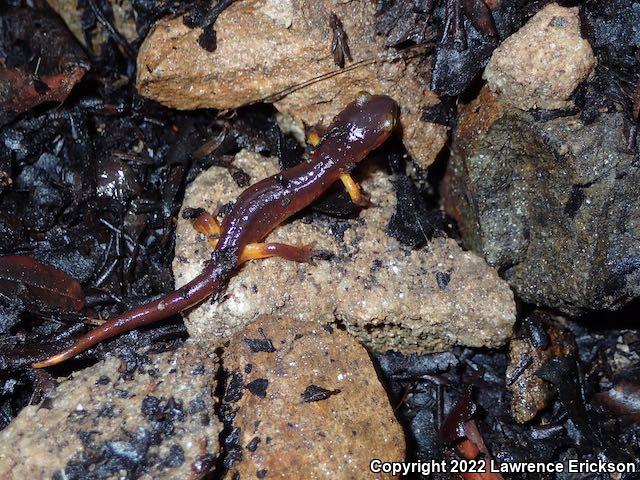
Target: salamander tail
x,y
72,351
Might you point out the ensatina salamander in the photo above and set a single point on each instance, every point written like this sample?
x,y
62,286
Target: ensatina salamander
x,y
360,128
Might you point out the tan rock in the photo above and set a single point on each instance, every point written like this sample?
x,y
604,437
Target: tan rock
x,y
306,399
541,64
281,51
530,393
155,422
388,295
123,20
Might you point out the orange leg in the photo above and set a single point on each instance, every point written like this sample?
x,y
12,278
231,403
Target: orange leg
x,y
355,192
254,251
206,224
358,197
314,135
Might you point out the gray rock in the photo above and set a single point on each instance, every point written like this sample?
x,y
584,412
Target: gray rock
x,y
157,421
386,294
554,205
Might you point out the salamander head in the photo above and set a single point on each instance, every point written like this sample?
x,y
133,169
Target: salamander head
x,y
367,121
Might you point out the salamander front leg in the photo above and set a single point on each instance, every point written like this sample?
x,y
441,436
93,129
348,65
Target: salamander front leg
x,y
355,192
206,224
255,251
315,134
358,197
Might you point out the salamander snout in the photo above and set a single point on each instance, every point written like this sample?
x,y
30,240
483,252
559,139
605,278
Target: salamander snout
x,y
379,111
369,120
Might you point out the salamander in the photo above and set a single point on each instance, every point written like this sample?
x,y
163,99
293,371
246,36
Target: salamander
x,y
361,127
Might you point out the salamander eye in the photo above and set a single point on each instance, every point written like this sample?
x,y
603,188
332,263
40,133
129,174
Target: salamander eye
x,y
362,98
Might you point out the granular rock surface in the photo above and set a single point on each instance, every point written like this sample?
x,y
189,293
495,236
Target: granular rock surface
x,y
553,205
145,417
304,398
265,47
541,64
386,294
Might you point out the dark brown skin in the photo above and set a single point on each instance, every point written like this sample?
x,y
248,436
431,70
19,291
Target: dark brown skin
x,y
360,128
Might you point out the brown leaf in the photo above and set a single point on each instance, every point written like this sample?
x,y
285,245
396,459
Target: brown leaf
x,y
41,287
480,16
623,399
453,428
43,61
461,430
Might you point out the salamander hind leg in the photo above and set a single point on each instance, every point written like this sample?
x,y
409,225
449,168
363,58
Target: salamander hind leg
x,y
255,251
357,195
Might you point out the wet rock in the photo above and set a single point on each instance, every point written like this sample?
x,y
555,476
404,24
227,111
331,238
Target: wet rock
x,y
281,52
613,28
311,405
40,61
553,205
119,12
541,64
115,179
530,393
156,421
386,294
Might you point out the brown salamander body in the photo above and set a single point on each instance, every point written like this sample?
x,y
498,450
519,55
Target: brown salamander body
x,y
360,128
